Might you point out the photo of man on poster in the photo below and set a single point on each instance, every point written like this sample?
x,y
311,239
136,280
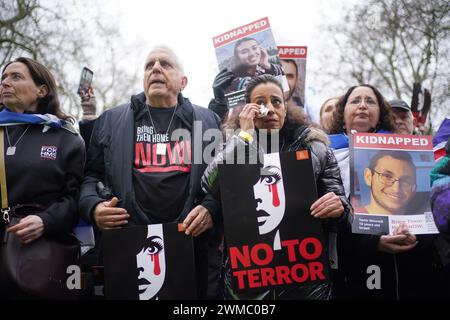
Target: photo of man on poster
x,y
391,178
290,69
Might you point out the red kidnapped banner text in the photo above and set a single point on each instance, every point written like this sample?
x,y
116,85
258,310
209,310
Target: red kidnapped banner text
x,y
292,52
241,32
395,141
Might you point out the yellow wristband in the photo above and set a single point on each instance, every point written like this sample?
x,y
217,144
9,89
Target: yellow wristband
x,y
246,136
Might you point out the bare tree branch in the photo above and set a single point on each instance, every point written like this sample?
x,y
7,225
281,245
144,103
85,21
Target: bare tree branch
x,y
56,34
393,44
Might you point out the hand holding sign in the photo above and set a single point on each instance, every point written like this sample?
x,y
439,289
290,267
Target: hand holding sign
x,y
264,59
198,221
327,206
394,244
401,241
106,216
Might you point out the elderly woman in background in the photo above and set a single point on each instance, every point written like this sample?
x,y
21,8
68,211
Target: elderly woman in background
x,y
326,113
44,157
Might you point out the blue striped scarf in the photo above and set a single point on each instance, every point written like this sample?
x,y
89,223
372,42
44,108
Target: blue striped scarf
x,y
9,118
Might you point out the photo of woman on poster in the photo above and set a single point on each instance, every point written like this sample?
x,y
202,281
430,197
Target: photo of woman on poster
x,y
251,59
270,197
151,263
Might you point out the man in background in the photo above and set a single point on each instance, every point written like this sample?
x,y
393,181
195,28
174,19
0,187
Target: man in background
x,y
404,119
290,69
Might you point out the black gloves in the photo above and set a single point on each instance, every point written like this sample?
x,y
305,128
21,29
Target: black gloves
x,y
221,83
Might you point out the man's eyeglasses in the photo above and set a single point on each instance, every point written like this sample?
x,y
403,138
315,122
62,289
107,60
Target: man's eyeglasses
x,y
388,179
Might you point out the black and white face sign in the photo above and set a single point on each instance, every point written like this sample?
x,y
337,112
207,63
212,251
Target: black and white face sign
x,y
270,197
272,238
149,262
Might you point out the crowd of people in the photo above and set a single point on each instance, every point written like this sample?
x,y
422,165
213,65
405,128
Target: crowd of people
x,y
120,175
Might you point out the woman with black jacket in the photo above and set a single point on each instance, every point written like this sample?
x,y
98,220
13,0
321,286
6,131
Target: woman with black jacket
x,y
389,267
294,134
44,157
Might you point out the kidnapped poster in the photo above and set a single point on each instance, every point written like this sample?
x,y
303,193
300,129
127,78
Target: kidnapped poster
x,y
154,262
390,183
272,238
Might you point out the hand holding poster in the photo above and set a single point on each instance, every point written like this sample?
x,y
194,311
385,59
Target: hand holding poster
x,y
247,51
149,262
390,183
293,61
272,238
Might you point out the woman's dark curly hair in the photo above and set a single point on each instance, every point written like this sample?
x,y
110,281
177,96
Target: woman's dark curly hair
x,y
42,76
385,122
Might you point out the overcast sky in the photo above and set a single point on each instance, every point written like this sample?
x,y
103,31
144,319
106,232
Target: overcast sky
x,y
189,26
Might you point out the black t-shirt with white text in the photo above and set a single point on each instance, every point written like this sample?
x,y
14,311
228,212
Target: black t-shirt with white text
x,y
161,167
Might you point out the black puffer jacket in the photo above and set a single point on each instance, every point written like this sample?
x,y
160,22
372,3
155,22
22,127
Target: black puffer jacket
x,y
328,179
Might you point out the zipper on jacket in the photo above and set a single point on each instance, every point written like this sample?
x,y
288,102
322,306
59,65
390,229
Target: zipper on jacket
x,y
6,221
397,295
